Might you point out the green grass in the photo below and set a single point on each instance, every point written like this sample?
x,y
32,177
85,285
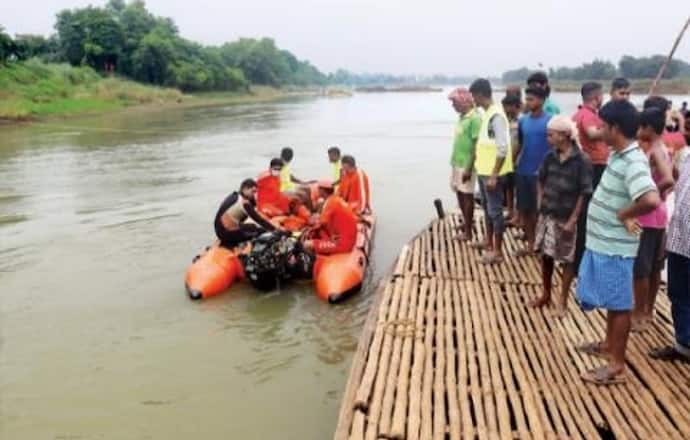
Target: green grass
x,y
34,89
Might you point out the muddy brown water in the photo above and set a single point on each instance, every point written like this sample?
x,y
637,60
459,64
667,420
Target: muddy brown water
x,y
100,216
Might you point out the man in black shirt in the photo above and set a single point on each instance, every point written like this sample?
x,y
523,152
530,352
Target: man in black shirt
x,y
231,223
564,182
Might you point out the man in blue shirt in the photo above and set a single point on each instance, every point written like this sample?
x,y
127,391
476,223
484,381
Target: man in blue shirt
x,y
531,150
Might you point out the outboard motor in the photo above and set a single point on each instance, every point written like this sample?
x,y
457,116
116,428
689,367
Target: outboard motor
x,y
276,258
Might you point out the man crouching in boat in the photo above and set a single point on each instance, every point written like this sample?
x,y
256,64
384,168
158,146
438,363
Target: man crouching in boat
x,y
270,200
335,230
231,223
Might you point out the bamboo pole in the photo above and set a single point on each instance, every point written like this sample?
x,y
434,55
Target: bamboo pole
x,y
358,422
360,359
402,261
374,409
399,337
366,385
416,376
440,367
451,378
662,70
426,430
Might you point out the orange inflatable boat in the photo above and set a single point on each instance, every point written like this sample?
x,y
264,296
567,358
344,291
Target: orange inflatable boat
x,y
214,271
340,275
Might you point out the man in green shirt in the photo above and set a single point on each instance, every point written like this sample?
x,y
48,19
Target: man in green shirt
x,y
463,178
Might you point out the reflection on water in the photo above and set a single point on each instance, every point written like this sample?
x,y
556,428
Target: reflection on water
x,y
99,218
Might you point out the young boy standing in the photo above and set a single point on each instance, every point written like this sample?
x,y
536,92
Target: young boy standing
x,y
512,107
651,253
605,279
531,150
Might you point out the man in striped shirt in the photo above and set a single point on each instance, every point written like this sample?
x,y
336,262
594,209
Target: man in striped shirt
x,y
626,191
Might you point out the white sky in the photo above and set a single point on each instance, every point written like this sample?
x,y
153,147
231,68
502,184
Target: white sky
x,y
482,37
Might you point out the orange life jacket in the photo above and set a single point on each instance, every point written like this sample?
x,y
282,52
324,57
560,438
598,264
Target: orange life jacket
x,y
269,199
340,226
354,189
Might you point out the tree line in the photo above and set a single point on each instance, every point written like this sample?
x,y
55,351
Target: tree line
x,y
128,40
628,66
345,77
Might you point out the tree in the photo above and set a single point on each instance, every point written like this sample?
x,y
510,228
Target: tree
x,y
90,36
29,46
104,40
648,67
151,59
126,37
136,23
116,7
599,69
517,75
7,47
71,35
260,60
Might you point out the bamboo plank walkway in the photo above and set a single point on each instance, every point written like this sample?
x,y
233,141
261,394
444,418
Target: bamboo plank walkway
x,y
451,351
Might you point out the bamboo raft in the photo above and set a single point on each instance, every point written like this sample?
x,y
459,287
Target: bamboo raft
x,y
450,350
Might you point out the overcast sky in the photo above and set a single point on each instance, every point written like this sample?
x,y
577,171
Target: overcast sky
x,y
414,36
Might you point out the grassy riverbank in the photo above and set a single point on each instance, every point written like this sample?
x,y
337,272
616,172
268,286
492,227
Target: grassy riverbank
x,y
35,90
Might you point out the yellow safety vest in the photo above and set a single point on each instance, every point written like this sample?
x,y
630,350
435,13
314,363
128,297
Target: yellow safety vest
x,y
286,183
487,149
336,170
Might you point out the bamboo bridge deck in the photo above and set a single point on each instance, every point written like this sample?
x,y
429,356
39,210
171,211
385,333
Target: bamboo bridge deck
x,y
450,350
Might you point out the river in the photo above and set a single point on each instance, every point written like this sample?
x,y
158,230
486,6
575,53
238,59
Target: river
x,y
100,216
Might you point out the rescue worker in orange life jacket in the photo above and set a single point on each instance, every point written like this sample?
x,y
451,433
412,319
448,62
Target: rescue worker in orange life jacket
x,y
336,228
231,223
354,186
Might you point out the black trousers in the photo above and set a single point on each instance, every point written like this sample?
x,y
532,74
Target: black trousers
x,y
244,233
598,171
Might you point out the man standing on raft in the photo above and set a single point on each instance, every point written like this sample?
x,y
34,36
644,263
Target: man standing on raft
x,y
463,179
493,162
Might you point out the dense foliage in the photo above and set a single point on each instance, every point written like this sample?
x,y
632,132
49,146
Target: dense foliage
x,y
628,66
7,46
34,88
648,67
125,38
